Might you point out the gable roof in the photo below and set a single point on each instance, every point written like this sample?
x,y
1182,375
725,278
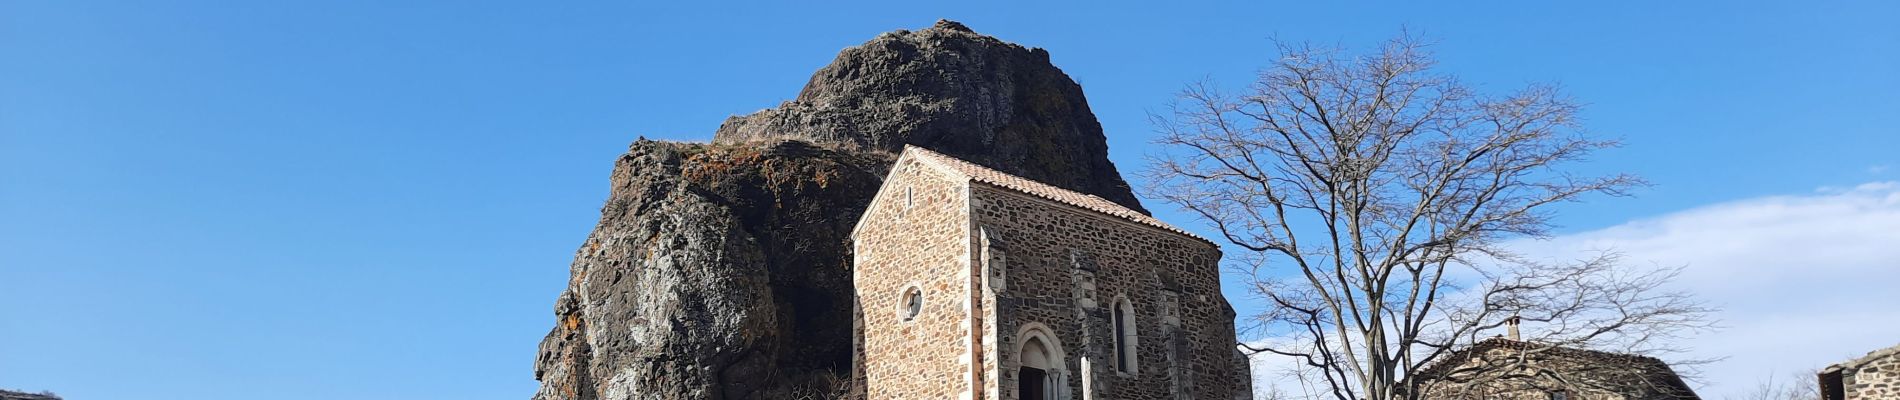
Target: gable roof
x,y
992,177
1650,368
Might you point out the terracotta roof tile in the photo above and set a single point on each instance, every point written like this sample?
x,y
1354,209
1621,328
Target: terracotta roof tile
x,y
1026,186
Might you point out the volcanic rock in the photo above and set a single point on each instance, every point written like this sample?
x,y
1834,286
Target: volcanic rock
x,y
723,270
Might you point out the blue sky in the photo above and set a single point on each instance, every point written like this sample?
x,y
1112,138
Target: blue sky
x,y
373,200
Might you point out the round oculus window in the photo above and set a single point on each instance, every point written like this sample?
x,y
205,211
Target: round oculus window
x,y
912,303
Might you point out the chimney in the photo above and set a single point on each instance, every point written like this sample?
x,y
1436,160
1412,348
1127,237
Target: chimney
x,y
1511,325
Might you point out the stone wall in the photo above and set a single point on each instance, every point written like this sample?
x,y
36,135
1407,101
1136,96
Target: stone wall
x,y
1060,270
1873,377
1498,375
1499,369
913,236
996,267
1875,380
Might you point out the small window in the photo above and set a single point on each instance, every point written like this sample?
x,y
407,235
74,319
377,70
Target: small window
x,y
909,202
1123,321
912,303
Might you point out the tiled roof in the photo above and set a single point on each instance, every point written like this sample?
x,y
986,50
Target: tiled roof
x,y
1023,185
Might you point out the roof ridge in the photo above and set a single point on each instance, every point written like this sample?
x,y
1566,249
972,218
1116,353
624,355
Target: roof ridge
x,y
1456,356
1087,201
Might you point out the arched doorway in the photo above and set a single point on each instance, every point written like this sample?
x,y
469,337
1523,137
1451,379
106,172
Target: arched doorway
x,y
1032,381
1041,366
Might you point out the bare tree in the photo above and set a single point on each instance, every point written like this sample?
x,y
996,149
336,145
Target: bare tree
x,y
1799,386
1372,196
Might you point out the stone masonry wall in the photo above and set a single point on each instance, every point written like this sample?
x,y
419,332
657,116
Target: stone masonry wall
x,y
1522,383
1874,379
1064,268
913,235
1504,370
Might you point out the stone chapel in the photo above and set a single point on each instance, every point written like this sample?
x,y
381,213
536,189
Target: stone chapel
x,y
976,284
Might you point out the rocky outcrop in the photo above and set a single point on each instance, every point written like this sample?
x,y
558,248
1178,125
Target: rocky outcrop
x,y
717,272
957,92
722,270
12,395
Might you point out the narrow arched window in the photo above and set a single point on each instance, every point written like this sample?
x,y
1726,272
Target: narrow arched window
x,y
1125,336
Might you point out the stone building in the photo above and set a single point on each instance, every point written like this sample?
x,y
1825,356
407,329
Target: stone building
x,y
1507,368
1875,376
975,284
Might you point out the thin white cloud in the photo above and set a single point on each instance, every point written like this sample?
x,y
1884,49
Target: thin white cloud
x,y
1277,377
1804,281
1878,169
